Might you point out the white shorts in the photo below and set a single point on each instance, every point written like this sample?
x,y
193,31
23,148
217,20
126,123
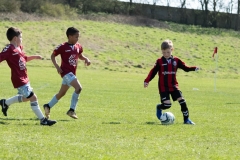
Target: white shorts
x,y
25,90
68,78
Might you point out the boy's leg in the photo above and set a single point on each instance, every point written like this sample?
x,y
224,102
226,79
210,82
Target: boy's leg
x,y
28,93
5,103
166,103
15,99
64,88
36,109
4,106
75,97
158,111
184,107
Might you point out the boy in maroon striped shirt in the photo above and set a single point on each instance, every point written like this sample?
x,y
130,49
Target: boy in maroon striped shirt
x,y
166,67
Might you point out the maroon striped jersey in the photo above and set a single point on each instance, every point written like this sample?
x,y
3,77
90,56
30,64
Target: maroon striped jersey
x,y
69,56
16,60
167,70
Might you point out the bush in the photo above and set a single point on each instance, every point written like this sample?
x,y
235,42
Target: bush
x,y
57,10
30,6
9,6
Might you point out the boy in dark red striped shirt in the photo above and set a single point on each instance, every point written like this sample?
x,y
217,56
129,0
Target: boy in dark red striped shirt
x,y
166,67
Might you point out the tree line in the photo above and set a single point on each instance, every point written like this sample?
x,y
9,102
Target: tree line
x,y
209,13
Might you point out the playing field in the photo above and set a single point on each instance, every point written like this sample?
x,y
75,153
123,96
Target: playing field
x,y
117,120
116,114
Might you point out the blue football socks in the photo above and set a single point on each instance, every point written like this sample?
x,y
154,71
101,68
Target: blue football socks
x,y
53,101
74,100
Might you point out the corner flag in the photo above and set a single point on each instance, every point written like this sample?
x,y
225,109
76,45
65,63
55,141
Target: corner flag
x,y
216,69
214,52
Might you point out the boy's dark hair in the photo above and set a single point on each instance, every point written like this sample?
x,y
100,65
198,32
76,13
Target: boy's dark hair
x,y
167,44
71,31
12,32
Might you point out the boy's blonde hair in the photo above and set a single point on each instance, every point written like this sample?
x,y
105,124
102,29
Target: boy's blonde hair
x,y
167,44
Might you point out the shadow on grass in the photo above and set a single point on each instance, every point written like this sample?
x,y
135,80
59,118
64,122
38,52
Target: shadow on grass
x,y
232,103
18,119
152,123
111,123
4,123
63,120
148,123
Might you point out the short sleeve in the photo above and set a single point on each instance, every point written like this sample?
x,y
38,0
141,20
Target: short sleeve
x,y
4,54
58,50
80,50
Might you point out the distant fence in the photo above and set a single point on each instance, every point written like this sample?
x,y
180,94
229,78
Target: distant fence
x,y
187,16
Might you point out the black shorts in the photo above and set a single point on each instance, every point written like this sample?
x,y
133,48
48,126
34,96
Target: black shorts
x,y
174,94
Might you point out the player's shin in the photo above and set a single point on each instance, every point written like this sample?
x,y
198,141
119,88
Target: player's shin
x,y
53,101
74,101
14,99
36,110
184,109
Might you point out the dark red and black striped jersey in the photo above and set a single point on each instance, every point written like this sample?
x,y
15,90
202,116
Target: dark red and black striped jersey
x,y
167,70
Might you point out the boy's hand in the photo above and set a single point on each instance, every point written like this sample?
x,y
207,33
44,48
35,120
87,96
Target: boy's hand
x,y
145,84
197,69
59,70
87,62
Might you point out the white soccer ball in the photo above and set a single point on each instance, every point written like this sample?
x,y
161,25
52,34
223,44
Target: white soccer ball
x,y
167,118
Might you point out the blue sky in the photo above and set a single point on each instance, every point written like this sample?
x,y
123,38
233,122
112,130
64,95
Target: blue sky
x,y
192,4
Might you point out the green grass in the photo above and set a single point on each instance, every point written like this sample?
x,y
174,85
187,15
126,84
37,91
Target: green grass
x,y
117,119
116,114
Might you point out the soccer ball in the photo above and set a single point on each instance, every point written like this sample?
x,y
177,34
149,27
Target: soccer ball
x,y
167,118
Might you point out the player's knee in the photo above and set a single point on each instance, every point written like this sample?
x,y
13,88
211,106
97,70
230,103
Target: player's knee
x,y
32,97
182,102
78,90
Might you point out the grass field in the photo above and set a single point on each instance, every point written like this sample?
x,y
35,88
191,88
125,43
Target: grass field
x,y
117,120
116,114
121,47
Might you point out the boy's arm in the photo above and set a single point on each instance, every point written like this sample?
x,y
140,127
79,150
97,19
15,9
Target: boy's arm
x,y
29,58
84,58
186,68
54,61
151,74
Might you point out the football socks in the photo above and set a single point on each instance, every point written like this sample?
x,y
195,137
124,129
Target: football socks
x,y
14,99
74,100
53,101
36,110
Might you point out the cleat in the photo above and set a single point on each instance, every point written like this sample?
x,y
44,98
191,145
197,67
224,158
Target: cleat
x,y
188,121
47,122
158,111
72,114
4,106
47,110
